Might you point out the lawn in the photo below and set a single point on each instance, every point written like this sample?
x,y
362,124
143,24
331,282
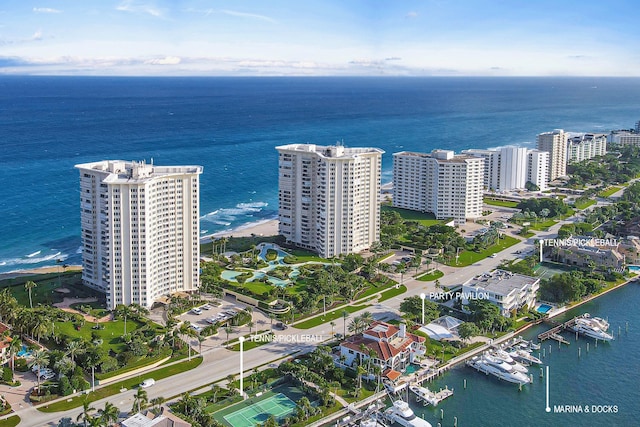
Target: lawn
x,y
44,292
469,257
10,422
584,204
607,192
502,203
426,219
115,388
332,315
394,292
110,335
430,276
543,225
256,287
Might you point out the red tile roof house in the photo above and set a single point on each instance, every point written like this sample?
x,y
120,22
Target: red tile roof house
x,y
393,346
4,344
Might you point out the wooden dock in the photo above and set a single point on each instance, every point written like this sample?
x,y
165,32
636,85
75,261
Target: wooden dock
x,y
554,333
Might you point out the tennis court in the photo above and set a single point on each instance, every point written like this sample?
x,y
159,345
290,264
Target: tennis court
x,y
258,412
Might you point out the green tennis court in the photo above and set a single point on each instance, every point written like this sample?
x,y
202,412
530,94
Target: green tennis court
x,y
258,412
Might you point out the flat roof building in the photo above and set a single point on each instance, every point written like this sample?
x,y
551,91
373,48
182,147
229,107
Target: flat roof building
x,y
140,227
586,146
555,143
443,183
329,197
503,288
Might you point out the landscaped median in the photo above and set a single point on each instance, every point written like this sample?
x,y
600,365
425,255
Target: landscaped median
x,y
112,389
332,315
10,422
467,258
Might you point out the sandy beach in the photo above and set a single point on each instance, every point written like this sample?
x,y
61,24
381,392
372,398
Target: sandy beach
x,y
41,270
266,228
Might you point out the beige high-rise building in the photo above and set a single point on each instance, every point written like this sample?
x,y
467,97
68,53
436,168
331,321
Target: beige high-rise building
x,y
329,197
445,184
140,230
586,146
555,143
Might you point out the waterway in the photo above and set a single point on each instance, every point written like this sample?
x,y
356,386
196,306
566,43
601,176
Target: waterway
x,y
605,378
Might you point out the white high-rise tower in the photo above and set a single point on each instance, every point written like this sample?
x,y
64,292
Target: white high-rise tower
x,y
140,230
555,143
329,197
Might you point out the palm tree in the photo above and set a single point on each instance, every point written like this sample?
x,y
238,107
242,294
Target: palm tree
x,y
215,389
75,348
28,286
109,415
85,415
228,330
156,403
250,325
140,400
39,358
345,314
14,347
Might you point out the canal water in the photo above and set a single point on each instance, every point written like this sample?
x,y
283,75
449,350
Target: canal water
x,y
601,387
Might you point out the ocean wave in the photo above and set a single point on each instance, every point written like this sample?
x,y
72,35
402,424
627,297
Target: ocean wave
x,y
34,254
33,259
225,216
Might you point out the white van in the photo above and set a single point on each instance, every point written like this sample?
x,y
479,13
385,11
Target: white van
x,y
147,383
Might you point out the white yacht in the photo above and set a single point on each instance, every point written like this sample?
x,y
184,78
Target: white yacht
x,y
372,422
524,356
591,328
505,357
402,414
491,365
598,321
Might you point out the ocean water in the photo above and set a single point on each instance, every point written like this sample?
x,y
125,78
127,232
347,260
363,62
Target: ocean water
x,y
607,375
231,126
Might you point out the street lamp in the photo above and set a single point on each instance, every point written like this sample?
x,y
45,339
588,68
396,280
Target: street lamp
x,y
422,297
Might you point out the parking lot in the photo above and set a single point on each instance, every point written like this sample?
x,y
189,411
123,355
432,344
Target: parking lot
x,y
219,312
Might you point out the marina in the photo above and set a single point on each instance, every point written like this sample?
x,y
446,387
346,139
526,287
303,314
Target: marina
x,y
594,327
428,397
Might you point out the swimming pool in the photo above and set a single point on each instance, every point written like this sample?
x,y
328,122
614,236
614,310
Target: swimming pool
x,y
24,352
543,308
634,268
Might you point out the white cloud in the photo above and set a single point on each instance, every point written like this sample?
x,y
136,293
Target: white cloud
x,y
46,10
411,14
137,7
247,15
37,35
167,60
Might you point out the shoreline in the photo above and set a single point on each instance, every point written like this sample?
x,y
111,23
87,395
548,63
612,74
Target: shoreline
x,y
36,271
267,227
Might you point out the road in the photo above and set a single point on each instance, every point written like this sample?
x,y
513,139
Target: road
x,y
219,362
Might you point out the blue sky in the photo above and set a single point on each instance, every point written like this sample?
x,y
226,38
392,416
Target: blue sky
x,y
314,37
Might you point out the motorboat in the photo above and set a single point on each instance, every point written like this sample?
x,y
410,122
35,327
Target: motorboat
x,y
524,356
505,357
586,326
598,321
491,365
402,414
372,421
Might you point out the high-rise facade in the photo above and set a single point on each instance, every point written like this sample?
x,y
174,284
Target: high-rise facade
x,y
510,168
586,146
329,197
140,230
554,143
445,184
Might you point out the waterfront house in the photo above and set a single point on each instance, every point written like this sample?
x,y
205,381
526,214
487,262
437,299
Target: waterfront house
x,y
509,291
390,347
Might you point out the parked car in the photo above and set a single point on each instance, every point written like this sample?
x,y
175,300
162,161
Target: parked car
x,y
196,310
196,327
281,326
206,307
147,383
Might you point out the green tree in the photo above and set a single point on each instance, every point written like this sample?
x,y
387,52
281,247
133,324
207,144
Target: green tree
x,y
87,413
140,400
39,358
468,330
29,285
109,414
